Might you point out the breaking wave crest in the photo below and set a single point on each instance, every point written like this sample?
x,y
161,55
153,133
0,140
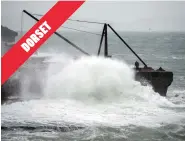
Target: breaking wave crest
x,y
90,91
98,79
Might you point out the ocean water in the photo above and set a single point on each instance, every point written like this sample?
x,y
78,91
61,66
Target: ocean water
x,y
94,98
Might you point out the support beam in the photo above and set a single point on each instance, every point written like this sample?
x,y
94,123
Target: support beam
x,y
59,35
127,45
102,35
106,41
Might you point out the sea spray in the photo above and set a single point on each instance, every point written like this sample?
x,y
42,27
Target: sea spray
x,y
91,91
97,79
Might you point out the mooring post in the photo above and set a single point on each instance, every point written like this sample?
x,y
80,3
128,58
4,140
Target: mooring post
x,y
106,41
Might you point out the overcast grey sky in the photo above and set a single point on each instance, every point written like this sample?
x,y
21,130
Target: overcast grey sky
x,y
130,16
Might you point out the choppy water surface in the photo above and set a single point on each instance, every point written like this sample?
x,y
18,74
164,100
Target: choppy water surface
x,y
93,98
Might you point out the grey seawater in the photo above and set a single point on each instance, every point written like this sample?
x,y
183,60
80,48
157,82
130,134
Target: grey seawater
x,y
75,107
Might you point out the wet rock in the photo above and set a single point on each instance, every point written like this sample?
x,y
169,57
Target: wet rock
x,y
176,95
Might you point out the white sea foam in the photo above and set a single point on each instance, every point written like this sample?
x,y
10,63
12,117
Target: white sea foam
x,y
93,91
178,57
96,79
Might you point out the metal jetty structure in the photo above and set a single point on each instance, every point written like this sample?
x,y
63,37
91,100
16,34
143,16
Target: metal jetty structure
x,y
159,79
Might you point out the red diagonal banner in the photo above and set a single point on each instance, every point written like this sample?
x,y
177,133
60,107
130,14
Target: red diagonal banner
x,y
36,36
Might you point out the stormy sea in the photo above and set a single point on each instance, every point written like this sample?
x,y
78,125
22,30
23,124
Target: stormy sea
x,y
90,98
